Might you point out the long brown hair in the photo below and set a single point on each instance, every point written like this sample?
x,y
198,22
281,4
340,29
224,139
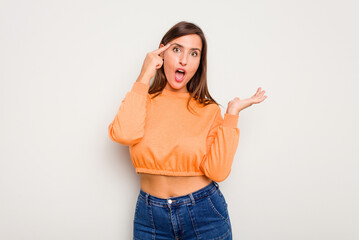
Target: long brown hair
x,y
197,86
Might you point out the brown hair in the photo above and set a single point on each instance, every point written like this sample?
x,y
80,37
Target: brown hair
x,y
197,86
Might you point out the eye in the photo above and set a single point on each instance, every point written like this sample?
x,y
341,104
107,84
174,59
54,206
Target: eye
x,y
195,54
175,49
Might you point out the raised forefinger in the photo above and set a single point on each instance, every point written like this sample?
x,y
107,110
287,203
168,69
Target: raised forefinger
x,y
158,51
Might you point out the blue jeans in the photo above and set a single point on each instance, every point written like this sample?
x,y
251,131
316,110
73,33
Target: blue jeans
x,y
200,215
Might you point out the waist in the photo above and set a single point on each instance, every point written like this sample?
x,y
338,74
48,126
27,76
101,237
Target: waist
x,y
183,199
162,186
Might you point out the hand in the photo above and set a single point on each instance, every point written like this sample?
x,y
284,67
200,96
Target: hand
x,y
152,62
237,105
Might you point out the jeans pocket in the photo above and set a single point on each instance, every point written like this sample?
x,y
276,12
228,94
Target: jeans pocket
x,y
223,199
209,217
136,208
143,226
219,204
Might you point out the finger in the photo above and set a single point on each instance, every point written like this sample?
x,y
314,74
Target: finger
x,y
262,98
258,90
158,51
261,93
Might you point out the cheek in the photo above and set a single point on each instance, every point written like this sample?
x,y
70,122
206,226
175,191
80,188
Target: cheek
x,y
168,69
195,67
169,57
168,62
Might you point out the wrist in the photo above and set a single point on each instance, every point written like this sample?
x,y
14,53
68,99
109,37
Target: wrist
x,y
232,111
143,79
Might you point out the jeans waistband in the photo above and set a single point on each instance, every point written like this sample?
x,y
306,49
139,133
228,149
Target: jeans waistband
x,y
191,197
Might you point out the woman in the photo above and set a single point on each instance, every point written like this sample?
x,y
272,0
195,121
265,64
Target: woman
x,y
178,141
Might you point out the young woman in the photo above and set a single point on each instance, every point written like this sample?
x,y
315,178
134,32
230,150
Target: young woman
x,y
178,141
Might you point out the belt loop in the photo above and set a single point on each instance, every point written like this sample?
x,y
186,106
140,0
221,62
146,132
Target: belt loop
x,y
216,184
192,198
146,198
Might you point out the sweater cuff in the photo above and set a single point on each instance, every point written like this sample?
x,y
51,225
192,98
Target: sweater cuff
x,y
230,120
140,88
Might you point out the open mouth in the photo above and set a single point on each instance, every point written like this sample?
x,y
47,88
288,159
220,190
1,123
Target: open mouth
x,y
179,74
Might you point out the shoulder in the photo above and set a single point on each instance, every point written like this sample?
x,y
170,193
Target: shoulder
x,y
213,108
209,107
209,111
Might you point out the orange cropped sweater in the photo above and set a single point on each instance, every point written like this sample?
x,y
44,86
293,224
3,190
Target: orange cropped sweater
x,y
165,138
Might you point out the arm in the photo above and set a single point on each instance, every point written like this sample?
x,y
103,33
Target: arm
x,y
128,126
222,143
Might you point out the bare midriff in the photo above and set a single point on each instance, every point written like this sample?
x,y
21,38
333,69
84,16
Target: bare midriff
x,y
162,186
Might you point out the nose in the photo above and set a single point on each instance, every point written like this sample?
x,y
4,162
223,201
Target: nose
x,y
183,59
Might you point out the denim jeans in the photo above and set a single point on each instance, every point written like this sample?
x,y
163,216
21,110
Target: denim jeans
x,y
200,215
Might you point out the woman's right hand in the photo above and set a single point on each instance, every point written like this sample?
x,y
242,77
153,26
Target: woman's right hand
x,y
152,62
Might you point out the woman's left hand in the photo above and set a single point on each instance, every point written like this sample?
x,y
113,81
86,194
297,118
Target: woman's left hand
x,y
237,105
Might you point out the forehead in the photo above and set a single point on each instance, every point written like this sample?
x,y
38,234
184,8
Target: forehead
x,y
189,41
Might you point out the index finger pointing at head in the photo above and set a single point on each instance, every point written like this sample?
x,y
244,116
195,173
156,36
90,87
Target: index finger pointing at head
x,y
158,51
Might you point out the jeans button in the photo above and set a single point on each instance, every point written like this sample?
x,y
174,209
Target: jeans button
x,y
169,201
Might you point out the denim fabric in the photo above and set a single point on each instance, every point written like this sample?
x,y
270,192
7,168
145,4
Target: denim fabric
x,y
200,215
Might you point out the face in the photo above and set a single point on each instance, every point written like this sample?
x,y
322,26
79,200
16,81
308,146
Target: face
x,y
184,53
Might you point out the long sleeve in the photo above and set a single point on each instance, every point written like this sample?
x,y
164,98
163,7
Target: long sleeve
x,y
222,143
128,126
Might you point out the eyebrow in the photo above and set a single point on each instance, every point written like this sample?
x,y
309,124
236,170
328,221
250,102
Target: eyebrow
x,y
182,46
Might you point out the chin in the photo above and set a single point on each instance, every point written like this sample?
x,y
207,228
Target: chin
x,y
177,85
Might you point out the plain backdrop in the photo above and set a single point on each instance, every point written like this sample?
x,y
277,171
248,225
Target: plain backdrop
x,y
66,66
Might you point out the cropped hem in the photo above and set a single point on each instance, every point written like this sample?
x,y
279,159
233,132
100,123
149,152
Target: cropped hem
x,y
166,172
140,88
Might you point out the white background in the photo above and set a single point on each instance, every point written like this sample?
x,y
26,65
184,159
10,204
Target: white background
x,y
66,66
